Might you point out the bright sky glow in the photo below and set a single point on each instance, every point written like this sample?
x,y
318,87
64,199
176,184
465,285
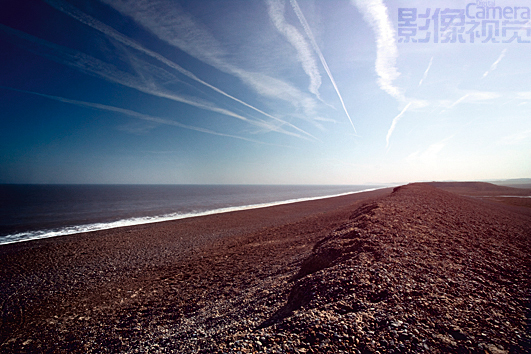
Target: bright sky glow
x,y
265,91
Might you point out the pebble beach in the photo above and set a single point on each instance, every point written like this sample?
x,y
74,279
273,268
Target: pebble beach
x,y
418,268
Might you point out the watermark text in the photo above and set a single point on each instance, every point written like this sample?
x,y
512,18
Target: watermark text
x,y
478,22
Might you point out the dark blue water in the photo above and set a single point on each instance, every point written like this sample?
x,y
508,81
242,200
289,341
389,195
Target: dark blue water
x,y
38,211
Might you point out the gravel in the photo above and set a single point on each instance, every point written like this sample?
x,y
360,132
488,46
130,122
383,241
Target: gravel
x,y
418,270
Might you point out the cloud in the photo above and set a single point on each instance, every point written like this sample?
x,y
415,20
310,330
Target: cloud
x,y
393,124
495,64
112,33
134,114
524,95
375,14
310,35
429,155
515,139
476,97
170,23
304,53
93,66
480,96
90,65
461,99
426,72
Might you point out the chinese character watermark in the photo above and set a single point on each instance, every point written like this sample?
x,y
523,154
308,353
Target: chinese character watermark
x,y
479,22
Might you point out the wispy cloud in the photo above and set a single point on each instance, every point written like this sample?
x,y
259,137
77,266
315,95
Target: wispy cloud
x,y
476,97
376,15
426,72
515,139
310,35
111,73
430,154
112,33
495,64
461,99
170,23
304,53
480,96
134,114
393,124
524,95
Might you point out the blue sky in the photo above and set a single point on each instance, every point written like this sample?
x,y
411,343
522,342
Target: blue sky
x,y
291,92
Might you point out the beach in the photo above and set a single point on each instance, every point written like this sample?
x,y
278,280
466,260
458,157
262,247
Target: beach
x,y
65,276
411,269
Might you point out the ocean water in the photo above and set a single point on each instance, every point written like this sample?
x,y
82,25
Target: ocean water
x,y
38,211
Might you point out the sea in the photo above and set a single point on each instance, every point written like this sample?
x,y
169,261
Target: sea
x,y
29,212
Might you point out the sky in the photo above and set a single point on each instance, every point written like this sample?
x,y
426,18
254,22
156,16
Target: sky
x,y
264,91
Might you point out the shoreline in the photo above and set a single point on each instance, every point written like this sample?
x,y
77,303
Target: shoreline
x,y
135,221
374,271
48,282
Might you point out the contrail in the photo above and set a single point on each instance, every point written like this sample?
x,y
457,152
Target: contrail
x,y
304,53
95,24
133,114
96,67
171,24
426,72
109,31
309,33
495,64
375,14
393,124
459,100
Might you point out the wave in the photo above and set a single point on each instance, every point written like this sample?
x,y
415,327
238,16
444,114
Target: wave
x,y
77,229
504,196
513,196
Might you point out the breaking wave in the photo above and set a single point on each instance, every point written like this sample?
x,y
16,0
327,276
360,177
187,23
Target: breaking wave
x,y
76,229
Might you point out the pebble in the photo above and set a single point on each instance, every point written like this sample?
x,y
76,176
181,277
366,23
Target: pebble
x,y
420,276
